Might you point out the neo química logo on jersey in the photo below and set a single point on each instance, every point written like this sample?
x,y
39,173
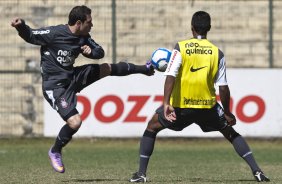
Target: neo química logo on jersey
x,y
65,58
195,48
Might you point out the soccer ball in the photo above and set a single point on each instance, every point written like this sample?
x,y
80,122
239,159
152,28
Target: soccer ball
x,y
160,59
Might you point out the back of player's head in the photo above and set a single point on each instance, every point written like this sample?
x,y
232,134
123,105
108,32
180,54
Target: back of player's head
x,y
201,22
78,13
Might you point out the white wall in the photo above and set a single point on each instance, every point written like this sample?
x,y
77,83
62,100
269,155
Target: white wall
x,y
121,106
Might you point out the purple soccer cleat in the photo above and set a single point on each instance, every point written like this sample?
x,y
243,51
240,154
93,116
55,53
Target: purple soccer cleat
x,y
150,68
56,161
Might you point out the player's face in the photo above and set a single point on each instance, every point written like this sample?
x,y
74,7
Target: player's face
x,y
86,25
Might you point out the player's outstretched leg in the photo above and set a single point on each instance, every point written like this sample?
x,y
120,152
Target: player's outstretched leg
x,y
124,68
243,150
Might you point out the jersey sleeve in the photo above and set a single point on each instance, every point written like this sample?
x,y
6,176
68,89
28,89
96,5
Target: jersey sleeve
x,y
174,62
41,36
97,51
220,79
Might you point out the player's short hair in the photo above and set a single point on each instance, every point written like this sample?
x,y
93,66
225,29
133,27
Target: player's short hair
x,y
78,13
201,22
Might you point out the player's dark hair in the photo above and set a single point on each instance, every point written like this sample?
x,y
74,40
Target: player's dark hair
x,y
78,13
201,22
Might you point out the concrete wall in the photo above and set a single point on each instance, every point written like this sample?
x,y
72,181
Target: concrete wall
x,y
239,28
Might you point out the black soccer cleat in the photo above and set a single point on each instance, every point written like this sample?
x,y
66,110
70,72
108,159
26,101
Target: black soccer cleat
x,y
138,177
260,177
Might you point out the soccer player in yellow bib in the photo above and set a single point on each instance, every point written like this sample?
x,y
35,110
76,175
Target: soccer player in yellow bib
x,y
195,67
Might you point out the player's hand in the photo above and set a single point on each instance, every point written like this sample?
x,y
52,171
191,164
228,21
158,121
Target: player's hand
x,y
230,118
16,22
169,113
86,50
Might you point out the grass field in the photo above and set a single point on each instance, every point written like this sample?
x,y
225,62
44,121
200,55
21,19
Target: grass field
x,y
109,161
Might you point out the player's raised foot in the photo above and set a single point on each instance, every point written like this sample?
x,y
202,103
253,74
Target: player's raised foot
x,y
138,177
260,177
150,68
56,161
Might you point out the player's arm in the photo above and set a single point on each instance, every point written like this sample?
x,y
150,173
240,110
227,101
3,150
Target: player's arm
x,y
92,50
171,73
168,109
224,92
41,36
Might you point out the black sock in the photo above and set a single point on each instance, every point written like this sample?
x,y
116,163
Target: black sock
x,y
65,135
123,69
244,151
146,149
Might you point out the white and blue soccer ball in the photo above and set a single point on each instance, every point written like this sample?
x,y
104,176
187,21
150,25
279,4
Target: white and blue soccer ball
x,y
160,59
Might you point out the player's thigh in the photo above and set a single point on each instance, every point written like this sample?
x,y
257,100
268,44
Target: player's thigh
x,y
63,101
66,104
181,122
85,75
212,119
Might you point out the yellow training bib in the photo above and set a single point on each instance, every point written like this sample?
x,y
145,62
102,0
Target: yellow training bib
x,y
194,85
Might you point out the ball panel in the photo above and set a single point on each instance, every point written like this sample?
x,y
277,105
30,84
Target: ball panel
x,y
162,65
160,58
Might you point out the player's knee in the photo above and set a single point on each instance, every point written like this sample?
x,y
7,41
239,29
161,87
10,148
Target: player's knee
x,y
105,70
230,134
74,122
150,134
154,125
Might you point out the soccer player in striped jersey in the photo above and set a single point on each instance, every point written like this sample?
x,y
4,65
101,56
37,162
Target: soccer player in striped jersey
x,y
195,66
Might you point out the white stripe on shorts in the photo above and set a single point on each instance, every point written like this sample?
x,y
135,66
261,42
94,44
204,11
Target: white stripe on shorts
x,y
51,97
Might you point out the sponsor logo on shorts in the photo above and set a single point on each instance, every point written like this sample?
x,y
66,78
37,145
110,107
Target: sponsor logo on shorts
x,y
64,103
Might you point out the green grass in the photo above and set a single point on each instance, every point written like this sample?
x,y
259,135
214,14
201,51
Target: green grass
x,y
109,161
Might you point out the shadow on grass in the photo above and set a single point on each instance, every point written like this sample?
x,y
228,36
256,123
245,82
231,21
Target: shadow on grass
x,y
205,180
202,180
193,180
91,180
